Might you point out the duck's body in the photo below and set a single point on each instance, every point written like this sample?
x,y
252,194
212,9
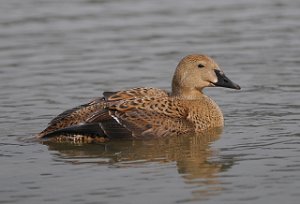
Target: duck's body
x,y
150,112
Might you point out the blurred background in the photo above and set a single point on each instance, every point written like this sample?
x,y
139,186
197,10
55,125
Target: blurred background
x,y
56,54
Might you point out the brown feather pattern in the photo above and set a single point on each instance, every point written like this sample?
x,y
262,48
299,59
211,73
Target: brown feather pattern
x,y
151,112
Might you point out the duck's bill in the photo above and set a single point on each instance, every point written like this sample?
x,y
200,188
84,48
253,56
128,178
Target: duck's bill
x,y
223,81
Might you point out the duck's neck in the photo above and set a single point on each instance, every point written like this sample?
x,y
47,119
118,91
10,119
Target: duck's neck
x,y
187,93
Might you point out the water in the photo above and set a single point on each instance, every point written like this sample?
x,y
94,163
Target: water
x,y
56,54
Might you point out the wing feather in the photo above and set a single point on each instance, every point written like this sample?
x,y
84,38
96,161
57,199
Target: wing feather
x,y
152,117
105,111
73,116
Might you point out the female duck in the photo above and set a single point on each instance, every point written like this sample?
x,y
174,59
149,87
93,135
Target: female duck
x,y
150,112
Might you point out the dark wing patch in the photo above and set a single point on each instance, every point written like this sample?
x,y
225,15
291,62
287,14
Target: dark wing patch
x,y
109,125
113,129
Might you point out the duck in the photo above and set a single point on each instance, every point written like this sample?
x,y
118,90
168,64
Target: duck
x,y
147,112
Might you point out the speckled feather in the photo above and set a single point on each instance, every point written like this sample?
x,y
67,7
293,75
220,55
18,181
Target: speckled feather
x,y
151,112
73,116
87,112
151,116
135,93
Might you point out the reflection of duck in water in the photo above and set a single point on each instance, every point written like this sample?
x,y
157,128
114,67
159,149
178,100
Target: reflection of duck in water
x,y
174,148
191,153
150,112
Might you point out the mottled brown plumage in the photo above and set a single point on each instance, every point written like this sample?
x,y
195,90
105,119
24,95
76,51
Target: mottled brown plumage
x,y
150,112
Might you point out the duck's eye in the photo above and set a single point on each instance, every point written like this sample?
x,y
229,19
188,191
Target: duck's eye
x,y
200,65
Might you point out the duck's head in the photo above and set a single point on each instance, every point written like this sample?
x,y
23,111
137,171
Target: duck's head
x,y
195,72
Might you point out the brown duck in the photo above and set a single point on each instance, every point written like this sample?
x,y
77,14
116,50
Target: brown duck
x,y
150,112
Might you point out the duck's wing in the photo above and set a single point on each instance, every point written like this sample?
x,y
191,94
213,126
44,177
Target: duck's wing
x,y
148,117
77,120
77,114
73,117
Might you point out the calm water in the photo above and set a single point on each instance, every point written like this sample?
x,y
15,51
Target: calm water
x,y
56,54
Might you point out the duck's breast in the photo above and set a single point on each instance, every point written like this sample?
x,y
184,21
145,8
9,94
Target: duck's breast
x,y
205,114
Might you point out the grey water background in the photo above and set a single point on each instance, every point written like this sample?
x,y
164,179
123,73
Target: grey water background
x,y
56,54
